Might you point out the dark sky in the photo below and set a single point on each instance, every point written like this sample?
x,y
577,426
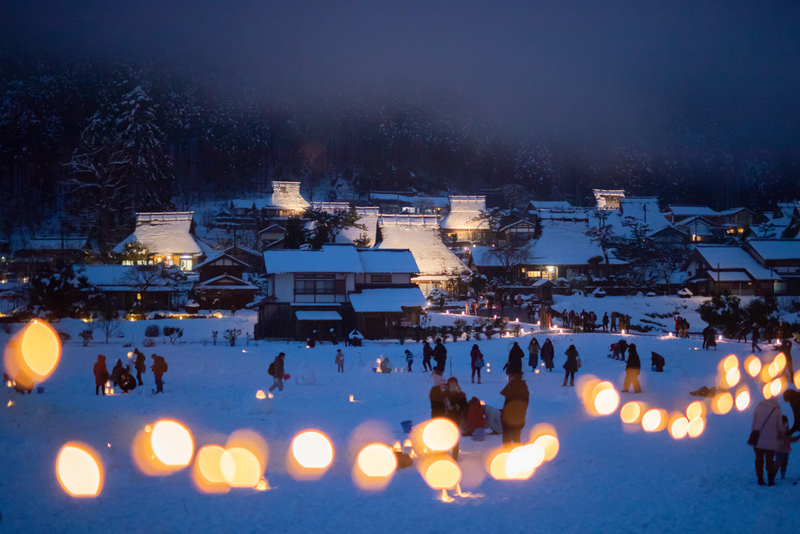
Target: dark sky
x,y
587,69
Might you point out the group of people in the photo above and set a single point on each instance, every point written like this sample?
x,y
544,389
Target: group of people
x,y
771,436
546,352
121,377
681,326
587,321
448,400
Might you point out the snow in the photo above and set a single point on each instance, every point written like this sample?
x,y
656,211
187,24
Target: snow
x,y
318,316
368,217
565,243
607,477
726,257
410,232
388,261
776,249
329,259
164,237
642,210
387,299
691,211
463,213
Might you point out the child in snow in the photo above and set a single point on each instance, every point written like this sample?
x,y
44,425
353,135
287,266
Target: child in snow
x,y
276,369
339,361
409,359
100,374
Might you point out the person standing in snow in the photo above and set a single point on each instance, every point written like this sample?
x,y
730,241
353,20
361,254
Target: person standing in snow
x,y
786,349
339,361
515,408
548,354
792,396
476,362
440,355
632,370
277,372
754,343
767,420
159,367
455,406
437,395
514,363
140,364
427,354
533,353
570,366
409,359
605,321
100,374
613,322
782,453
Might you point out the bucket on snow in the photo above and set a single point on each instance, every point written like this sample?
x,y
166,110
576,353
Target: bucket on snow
x,y
478,434
39,389
407,425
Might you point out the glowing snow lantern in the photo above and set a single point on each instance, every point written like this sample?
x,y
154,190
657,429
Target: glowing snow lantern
x,y
374,467
605,398
79,470
441,473
696,427
496,465
523,460
654,420
260,394
33,354
240,467
631,412
172,443
440,435
753,366
310,455
207,470
742,398
262,485
679,427
722,403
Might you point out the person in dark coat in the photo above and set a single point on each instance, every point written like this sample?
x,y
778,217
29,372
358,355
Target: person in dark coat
x,y
571,365
786,349
455,406
278,372
476,358
100,374
657,362
622,346
427,354
754,343
440,355
632,370
605,321
437,396
792,396
140,365
126,381
514,364
548,354
116,372
515,408
533,353
159,367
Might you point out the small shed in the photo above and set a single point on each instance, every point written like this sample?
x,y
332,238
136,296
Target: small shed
x,y
543,289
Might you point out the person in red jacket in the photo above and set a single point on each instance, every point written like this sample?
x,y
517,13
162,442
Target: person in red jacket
x,y
476,416
100,374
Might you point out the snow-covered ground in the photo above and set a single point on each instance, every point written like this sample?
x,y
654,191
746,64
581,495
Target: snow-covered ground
x,y
606,477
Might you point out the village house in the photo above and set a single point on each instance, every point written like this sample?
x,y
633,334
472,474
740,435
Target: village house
x,y
465,225
148,287
222,284
169,238
311,292
782,257
721,268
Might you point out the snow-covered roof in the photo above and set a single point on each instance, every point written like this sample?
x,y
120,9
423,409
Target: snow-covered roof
x,y
330,259
777,249
163,216
549,205
565,243
287,195
368,216
721,257
218,256
276,228
690,211
330,207
164,237
388,261
464,213
733,211
234,283
412,198
57,243
423,239
643,210
121,278
485,257
387,299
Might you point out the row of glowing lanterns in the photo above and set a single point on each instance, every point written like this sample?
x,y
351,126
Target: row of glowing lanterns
x,y
167,446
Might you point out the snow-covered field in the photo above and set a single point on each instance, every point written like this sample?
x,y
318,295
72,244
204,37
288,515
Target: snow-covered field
x,y
605,478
